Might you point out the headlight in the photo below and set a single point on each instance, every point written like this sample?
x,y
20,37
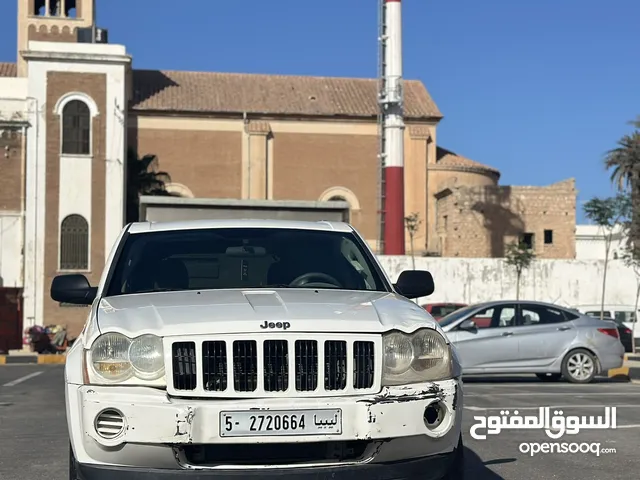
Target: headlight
x,y
147,357
116,358
423,356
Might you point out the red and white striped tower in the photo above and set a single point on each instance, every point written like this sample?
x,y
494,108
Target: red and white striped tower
x,y
393,130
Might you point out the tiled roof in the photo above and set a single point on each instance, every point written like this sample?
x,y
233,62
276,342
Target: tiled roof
x,y
269,94
205,92
447,158
8,69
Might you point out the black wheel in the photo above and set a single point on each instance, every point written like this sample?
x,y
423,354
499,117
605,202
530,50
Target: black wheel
x,y
456,469
579,366
549,377
73,470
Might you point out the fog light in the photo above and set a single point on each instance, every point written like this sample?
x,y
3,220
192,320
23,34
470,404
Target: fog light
x,y
434,415
109,424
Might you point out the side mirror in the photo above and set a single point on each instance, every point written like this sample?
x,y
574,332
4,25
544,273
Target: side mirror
x,y
468,325
415,284
73,289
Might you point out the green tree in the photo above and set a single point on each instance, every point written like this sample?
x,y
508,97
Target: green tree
x,y
412,223
519,256
624,164
607,213
143,178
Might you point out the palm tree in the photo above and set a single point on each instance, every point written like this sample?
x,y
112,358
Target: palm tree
x,y
624,163
143,178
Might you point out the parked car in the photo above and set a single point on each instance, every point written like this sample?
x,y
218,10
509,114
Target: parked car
x,y
533,337
625,333
620,313
253,349
439,310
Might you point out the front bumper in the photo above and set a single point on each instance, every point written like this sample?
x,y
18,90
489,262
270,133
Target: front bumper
x,y
429,468
159,428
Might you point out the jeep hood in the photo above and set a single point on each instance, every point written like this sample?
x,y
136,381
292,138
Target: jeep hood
x,y
243,311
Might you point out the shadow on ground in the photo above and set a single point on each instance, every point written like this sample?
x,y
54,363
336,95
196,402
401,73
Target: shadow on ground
x,y
476,469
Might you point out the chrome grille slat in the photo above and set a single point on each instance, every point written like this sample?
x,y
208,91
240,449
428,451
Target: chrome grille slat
x,y
363,364
306,371
276,365
184,366
269,365
245,365
335,361
214,366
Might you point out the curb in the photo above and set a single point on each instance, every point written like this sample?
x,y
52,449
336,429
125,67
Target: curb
x,y
625,373
32,359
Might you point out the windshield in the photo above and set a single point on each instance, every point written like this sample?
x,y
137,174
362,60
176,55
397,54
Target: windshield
x,y
458,314
244,258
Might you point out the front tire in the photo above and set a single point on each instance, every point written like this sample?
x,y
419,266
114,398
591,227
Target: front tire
x,y
579,366
456,468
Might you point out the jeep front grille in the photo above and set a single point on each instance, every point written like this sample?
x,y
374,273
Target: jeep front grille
x,y
242,367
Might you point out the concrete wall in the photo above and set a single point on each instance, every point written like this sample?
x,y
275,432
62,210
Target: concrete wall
x,y
10,250
565,282
591,244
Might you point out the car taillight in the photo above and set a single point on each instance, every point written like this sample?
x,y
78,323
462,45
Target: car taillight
x,y
628,331
610,331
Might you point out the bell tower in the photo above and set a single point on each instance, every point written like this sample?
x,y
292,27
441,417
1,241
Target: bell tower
x,y
51,21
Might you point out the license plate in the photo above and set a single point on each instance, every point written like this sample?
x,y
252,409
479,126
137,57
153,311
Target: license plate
x,y
262,423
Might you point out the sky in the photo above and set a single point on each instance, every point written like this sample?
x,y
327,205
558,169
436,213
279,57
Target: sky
x,y
539,89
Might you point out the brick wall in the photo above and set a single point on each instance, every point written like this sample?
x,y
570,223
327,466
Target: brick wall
x,y
94,85
305,165
54,34
207,162
11,181
481,221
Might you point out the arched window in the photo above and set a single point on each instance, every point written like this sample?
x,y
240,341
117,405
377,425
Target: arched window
x,y
341,194
74,243
76,128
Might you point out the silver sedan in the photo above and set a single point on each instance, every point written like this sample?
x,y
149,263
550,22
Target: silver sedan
x,y
533,337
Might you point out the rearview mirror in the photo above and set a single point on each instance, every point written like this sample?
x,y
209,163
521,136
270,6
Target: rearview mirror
x,y
246,251
74,289
415,284
468,325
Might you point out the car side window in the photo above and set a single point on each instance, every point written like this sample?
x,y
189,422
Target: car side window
x,y
507,316
529,317
540,315
436,311
483,318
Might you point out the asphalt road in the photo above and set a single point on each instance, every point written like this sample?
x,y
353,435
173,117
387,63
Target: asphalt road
x,y
34,441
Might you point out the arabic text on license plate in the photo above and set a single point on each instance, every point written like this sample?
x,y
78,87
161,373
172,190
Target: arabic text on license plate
x,y
280,423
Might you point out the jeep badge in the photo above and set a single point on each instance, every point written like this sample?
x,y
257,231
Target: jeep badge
x,y
282,325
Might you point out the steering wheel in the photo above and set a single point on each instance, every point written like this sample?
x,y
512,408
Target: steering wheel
x,y
322,280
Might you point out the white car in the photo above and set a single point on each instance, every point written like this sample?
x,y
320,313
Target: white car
x,y
257,349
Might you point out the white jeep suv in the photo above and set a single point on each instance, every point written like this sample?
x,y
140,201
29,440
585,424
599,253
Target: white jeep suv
x,y
257,349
